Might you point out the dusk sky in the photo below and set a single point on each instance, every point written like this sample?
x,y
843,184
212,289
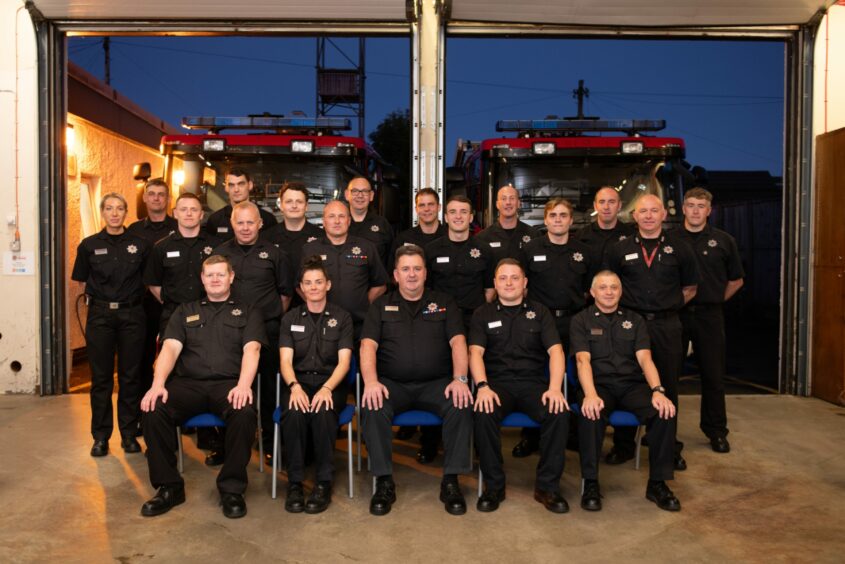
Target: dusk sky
x,y
725,99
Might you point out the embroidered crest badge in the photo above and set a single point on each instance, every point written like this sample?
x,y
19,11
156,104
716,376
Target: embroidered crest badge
x,y
668,250
332,322
577,257
356,251
236,312
432,307
526,238
712,243
207,250
131,249
530,315
474,253
263,255
374,228
627,324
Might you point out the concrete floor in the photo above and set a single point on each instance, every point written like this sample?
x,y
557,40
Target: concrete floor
x,y
777,497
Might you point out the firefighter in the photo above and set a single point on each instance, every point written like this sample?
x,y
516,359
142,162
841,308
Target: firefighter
x,y
720,267
607,229
353,264
366,224
510,342
153,228
659,273
213,346
295,230
414,356
110,264
315,343
263,277
615,370
238,185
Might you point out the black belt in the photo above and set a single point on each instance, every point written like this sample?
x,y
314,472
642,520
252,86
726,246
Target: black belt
x,y
692,308
563,312
652,315
113,305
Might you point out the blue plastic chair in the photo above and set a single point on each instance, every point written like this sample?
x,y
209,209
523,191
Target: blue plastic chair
x,y
617,418
345,418
211,420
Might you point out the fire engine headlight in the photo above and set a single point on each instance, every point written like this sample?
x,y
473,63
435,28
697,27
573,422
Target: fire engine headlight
x,y
544,148
214,145
302,146
630,147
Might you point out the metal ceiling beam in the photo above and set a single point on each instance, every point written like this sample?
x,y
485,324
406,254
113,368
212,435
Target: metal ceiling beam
x,y
217,27
470,28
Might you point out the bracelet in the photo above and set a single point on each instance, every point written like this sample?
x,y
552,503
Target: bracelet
x,y
292,384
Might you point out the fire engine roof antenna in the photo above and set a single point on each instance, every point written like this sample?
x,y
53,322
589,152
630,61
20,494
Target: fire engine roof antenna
x,y
281,124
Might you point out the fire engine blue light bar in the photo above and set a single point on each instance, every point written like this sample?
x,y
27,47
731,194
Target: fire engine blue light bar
x,y
578,125
266,122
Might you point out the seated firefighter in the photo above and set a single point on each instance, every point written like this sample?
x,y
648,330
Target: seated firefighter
x,y
510,342
615,370
212,347
315,344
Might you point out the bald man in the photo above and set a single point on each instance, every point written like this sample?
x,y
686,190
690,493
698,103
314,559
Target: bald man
x,y
659,273
607,229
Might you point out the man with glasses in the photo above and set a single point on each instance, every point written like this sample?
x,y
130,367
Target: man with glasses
x,y
365,223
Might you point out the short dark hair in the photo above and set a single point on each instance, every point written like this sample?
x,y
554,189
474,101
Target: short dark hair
x,y
238,171
698,193
408,251
296,187
508,261
157,182
462,200
427,192
188,196
314,262
217,259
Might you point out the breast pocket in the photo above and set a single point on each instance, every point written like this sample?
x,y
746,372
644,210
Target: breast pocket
x,y
329,342
233,327
538,266
625,342
173,262
443,268
599,346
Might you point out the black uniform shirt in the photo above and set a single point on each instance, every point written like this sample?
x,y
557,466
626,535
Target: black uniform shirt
x,y
175,264
516,340
413,337
376,229
414,236
353,268
612,341
112,266
656,288
213,337
718,262
462,269
558,275
506,243
315,344
219,223
153,231
599,240
292,241
262,274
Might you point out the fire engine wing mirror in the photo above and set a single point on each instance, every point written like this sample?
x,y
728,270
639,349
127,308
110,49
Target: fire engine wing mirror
x,y
142,171
454,174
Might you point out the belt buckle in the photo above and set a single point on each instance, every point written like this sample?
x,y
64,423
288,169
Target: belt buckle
x,y
114,305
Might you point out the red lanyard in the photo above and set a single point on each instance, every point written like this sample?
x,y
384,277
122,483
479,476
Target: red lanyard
x,y
649,258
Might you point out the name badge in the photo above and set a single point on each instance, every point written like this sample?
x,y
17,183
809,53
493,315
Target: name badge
x,y
539,258
407,244
597,331
391,308
192,318
101,251
496,244
222,229
172,254
442,259
323,257
632,256
494,324
298,328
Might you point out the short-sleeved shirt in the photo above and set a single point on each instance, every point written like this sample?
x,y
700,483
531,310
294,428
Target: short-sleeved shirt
x,y
598,239
414,236
213,337
316,342
657,288
262,275
515,339
506,243
376,229
558,275
153,231
292,241
112,266
219,223
612,341
175,265
718,262
413,337
353,269
462,269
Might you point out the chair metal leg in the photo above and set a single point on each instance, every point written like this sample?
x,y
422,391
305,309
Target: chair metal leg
x,y
260,433
374,485
480,480
275,459
639,446
179,461
349,458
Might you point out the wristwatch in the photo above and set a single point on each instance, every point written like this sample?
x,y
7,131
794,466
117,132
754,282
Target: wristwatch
x,y
462,379
482,384
660,389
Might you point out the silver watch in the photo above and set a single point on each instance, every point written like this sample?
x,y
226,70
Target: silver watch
x,y
462,379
